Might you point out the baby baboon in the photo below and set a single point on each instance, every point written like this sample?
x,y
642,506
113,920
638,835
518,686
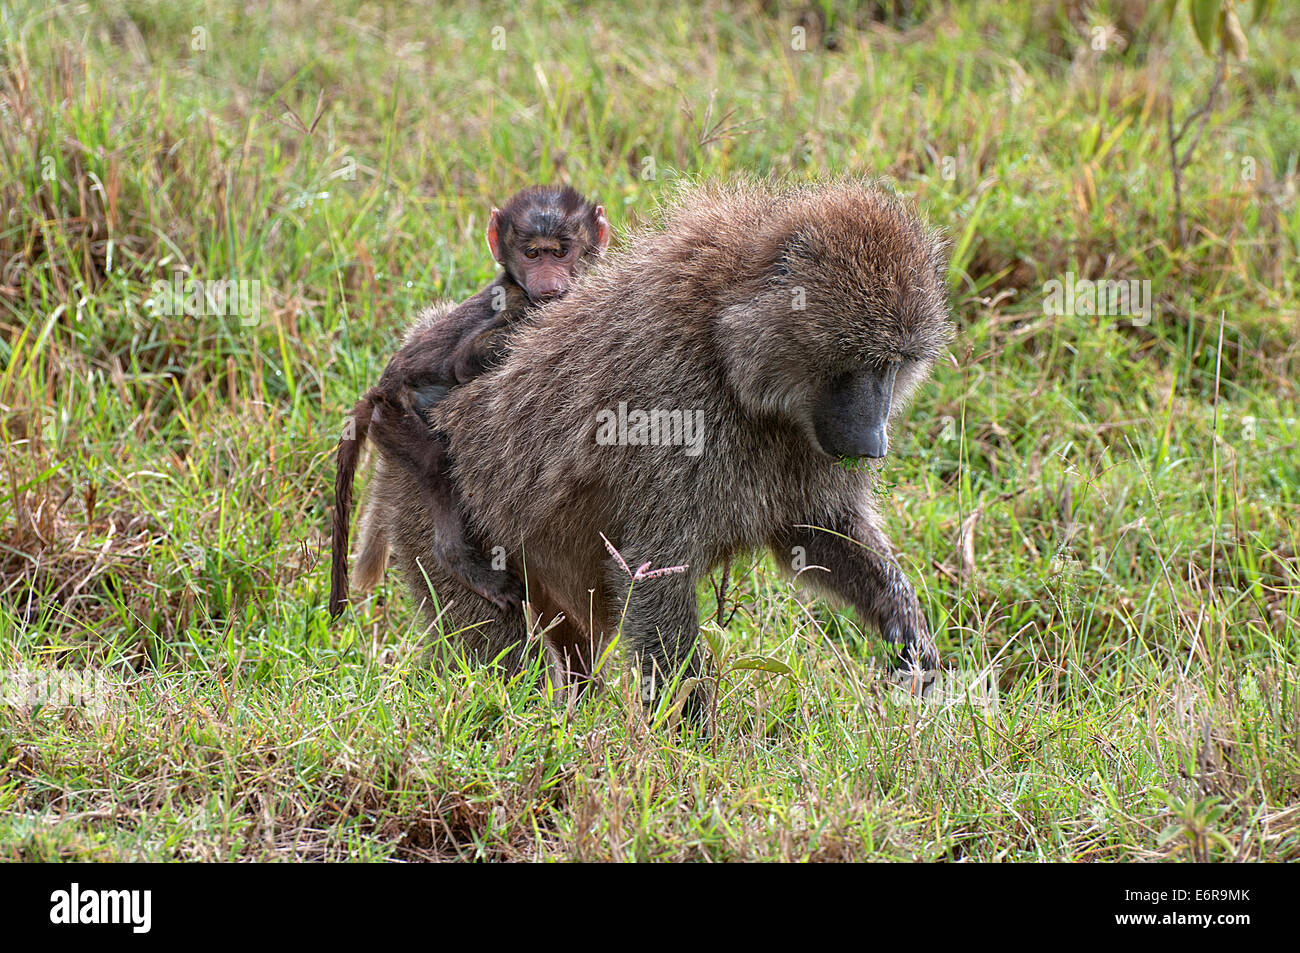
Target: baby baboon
x,y
696,396
541,238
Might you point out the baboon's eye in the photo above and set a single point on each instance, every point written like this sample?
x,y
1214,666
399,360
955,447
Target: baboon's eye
x,y
530,253
561,252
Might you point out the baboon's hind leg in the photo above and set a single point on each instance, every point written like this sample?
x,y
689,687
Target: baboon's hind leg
x,y
372,560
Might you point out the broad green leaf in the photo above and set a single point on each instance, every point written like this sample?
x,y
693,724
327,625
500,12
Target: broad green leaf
x,y
762,663
716,643
1169,833
1204,13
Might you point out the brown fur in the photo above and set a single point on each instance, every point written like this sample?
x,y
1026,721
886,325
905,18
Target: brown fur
x,y
694,314
542,238
438,349
372,557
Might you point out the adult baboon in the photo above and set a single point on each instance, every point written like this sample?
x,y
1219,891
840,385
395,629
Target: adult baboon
x,y
787,325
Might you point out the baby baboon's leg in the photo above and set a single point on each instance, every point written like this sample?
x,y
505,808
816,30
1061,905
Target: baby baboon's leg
x,y
858,566
412,449
452,546
476,625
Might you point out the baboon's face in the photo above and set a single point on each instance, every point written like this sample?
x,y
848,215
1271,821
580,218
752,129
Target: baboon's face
x,y
544,237
893,329
861,290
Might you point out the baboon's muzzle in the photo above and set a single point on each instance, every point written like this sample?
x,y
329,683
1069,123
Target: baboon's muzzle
x,y
852,419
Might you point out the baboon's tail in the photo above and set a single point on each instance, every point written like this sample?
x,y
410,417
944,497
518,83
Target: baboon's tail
x,y
349,454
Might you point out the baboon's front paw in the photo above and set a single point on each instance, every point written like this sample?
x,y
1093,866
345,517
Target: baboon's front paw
x,y
916,667
913,680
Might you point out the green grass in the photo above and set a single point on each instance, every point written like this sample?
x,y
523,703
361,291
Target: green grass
x,y
1125,613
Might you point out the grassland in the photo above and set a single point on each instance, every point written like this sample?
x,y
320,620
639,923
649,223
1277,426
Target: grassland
x,y
1101,514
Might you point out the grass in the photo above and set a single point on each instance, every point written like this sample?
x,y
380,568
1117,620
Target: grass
x,y
1102,517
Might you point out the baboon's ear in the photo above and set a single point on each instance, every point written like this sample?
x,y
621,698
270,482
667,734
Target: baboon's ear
x,y
494,234
602,229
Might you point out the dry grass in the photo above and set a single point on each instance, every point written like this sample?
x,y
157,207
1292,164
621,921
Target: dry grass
x,y
1107,549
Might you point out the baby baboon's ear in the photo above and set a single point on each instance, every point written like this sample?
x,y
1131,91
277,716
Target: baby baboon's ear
x,y
495,226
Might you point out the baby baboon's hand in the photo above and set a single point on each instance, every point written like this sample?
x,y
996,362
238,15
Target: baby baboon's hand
x,y
425,398
501,589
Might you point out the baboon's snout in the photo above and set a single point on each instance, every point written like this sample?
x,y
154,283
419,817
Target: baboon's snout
x,y
875,442
852,419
